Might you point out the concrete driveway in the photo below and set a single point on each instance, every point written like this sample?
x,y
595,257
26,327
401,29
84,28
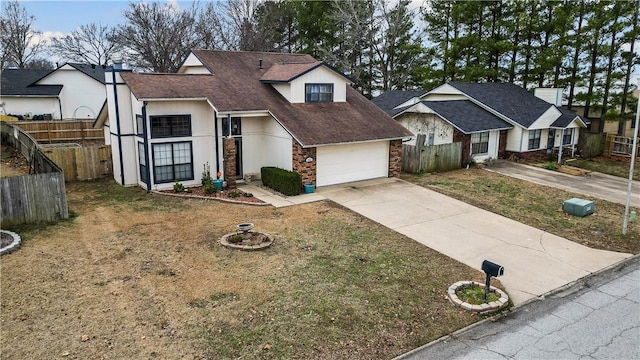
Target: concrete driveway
x,y
601,186
535,261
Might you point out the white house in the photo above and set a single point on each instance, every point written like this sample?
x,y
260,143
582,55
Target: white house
x,y
72,91
241,111
491,119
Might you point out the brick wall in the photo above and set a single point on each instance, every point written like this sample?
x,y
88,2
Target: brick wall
x,y
528,155
459,136
229,155
395,158
307,170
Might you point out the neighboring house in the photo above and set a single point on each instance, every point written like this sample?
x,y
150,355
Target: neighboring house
x,y
492,120
241,111
72,91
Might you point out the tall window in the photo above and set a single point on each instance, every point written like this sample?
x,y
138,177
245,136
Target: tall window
x,y
318,92
233,128
172,162
534,139
170,125
139,126
567,137
143,162
480,143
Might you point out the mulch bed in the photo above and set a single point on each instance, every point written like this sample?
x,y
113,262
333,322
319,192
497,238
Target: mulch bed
x,y
240,196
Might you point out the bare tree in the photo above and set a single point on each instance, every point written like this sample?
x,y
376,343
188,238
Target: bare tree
x,y
157,37
92,43
20,43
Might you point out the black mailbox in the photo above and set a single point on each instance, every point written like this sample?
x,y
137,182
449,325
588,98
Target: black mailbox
x,y
492,269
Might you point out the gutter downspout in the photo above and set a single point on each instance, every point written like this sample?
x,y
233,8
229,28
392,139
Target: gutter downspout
x,y
115,95
59,106
146,146
217,154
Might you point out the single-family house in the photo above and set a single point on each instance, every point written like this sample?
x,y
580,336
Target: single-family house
x,y
492,120
72,91
241,111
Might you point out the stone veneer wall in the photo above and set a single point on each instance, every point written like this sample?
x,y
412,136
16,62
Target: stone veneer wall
x,y
395,158
307,170
229,155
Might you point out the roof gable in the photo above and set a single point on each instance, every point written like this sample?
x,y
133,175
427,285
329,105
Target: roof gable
x,y
567,118
509,100
467,116
287,72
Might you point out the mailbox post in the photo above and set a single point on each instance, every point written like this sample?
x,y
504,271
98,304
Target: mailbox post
x,y
491,269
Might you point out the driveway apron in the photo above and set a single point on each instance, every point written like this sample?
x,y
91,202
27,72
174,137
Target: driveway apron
x,y
535,261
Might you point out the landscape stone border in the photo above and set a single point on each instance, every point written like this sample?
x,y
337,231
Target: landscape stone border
x,y
482,308
14,244
264,245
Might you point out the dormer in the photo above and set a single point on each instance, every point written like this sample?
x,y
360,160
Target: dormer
x,y
193,65
307,82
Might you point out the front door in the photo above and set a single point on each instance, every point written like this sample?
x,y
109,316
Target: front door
x,y
551,138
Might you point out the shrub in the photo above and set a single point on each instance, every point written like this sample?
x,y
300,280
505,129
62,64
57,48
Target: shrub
x,y
234,194
284,181
178,187
206,175
209,188
248,195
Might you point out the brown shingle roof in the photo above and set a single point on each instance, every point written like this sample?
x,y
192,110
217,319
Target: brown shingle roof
x,y
235,86
288,72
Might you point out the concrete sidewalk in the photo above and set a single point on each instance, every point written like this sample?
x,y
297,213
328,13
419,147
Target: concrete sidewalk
x,y
535,261
598,318
277,200
602,186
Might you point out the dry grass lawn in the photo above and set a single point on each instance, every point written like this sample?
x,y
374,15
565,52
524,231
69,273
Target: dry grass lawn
x,y
136,276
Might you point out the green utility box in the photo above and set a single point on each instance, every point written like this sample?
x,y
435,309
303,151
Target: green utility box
x,y
578,207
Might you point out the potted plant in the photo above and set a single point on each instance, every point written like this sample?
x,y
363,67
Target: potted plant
x,y
309,187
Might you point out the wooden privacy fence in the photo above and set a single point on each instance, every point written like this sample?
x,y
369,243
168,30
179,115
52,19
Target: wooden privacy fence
x,y
38,197
80,162
61,130
419,159
591,144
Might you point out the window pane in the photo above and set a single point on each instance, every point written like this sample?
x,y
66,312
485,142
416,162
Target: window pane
x,y
164,126
139,127
183,172
182,153
141,158
164,173
162,154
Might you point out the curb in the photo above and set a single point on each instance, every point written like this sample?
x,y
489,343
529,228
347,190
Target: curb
x,y
563,288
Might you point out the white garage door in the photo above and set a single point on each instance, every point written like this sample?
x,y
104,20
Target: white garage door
x,y
344,163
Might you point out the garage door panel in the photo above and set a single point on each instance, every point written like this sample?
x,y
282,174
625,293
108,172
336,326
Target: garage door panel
x,y
344,163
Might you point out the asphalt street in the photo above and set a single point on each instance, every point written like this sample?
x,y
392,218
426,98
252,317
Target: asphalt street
x,y
595,318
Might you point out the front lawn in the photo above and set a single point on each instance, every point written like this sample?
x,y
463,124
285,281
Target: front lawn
x,y
136,276
538,206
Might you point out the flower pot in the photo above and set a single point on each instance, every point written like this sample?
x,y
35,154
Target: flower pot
x,y
309,188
